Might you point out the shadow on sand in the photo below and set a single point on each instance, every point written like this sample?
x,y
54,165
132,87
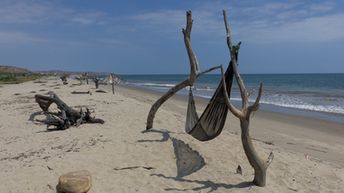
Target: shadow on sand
x,y
165,135
204,184
48,119
189,161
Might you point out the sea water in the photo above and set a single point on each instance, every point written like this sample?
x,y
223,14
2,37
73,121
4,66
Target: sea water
x,y
315,95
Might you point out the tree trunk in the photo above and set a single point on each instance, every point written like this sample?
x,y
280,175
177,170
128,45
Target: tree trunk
x,y
113,87
159,102
96,82
259,165
112,83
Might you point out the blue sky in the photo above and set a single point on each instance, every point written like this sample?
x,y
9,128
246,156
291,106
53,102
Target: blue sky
x,y
144,37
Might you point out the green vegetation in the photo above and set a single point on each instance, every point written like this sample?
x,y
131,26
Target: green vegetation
x,y
16,78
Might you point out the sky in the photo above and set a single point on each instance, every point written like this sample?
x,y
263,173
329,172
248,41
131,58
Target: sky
x,y
145,37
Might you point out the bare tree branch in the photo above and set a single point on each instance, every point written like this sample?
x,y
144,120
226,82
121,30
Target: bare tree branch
x,y
255,105
162,99
187,40
233,52
270,158
208,70
259,166
194,73
231,107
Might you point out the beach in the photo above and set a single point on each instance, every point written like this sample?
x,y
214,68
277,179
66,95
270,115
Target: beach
x,y
308,152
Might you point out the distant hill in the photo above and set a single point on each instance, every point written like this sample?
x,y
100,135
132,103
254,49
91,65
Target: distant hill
x,y
59,72
13,69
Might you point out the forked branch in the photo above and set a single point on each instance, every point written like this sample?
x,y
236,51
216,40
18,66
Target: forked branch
x,y
194,73
187,40
260,166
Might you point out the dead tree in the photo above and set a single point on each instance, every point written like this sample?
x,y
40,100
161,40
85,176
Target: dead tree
x,y
64,79
67,116
260,166
79,78
96,82
85,77
194,73
112,83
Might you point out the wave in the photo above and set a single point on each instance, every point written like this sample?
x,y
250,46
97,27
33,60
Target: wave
x,y
147,84
297,100
319,108
163,85
309,107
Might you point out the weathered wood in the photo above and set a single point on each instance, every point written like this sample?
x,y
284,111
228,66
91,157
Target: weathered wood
x,y
194,73
81,92
113,83
64,79
67,116
85,77
162,99
100,91
260,166
96,82
187,41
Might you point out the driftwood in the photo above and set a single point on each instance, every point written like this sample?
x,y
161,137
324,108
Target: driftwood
x,y
67,116
85,77
113,83
259,165
64,79
194,73
81,92
96,82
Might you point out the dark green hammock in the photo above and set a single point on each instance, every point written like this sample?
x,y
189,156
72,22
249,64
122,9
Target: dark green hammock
x,y
212,120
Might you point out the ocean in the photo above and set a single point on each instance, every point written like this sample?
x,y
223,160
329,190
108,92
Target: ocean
x,y
313,95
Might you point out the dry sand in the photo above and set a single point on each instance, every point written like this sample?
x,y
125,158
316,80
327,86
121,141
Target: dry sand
x,y
309,153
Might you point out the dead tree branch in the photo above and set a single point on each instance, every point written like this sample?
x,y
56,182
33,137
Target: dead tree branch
x,y
64,79
194,72
96,82
260,166
67,116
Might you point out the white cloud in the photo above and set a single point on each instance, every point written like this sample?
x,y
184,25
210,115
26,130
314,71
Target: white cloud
x,y
168,21
18,37
37,11
322,7
265,22
314,29
23,11
293,21
15,37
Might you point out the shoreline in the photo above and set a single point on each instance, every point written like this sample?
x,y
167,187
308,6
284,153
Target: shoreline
x,y
266,126
308,154
203,101
272,108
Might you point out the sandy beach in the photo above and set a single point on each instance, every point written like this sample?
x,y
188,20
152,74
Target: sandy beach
x,y
309,154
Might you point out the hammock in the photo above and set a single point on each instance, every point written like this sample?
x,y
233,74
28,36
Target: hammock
x,y
212,121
